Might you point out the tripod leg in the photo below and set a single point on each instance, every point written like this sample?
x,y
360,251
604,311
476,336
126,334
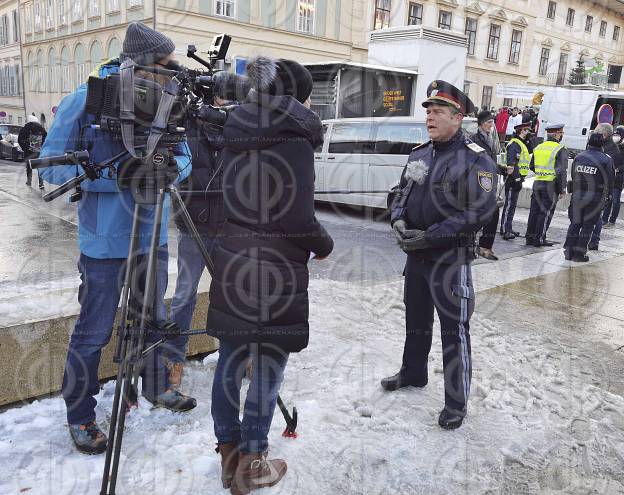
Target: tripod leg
x,y
121,351
188,221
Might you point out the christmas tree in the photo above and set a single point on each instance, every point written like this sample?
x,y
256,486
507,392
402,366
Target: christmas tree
x,y
577,75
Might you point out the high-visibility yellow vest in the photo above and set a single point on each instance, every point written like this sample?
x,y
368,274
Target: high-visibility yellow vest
x,y
544,157
525,157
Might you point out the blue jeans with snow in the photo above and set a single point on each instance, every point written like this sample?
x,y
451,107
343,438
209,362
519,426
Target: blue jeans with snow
x,y
191,265
99,293
268,368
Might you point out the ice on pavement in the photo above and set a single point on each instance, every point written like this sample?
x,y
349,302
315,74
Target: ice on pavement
x,y
541,419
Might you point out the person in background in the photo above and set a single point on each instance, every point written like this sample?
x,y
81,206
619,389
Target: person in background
x,y
592,182
514,119
31,139
501,123
613,150
483,137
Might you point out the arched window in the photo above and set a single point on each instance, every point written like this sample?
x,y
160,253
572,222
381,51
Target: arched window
x,y
96,54
114,48
42,75
31,71
80,64
65,73
54,71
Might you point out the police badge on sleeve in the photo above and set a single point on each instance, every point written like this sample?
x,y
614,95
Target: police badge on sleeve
x,y
486,180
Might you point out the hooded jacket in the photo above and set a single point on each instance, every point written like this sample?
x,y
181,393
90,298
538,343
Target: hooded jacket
x,y
105,211
259,289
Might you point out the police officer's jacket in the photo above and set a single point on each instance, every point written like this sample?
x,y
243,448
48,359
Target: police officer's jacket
x,y
592,175
451,194
514,155
561,171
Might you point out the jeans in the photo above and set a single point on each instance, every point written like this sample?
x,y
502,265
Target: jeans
x,y
99,293
612,210
29,172
190,268
595,237
269,364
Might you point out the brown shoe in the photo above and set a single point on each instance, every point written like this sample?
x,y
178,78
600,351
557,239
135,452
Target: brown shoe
x,y
229,461
255,471
176,370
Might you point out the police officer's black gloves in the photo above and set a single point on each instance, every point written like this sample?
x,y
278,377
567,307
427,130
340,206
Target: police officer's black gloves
x,y
409,239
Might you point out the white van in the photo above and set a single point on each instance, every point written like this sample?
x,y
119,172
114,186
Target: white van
x,y
578,109
367,155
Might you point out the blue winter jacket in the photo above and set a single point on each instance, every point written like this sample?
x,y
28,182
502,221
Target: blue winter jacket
x,y
105,211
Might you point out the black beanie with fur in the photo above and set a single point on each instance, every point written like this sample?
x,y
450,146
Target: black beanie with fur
x,y
280,78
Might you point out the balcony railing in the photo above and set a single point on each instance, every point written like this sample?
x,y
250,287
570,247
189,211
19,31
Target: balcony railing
x,y
599,80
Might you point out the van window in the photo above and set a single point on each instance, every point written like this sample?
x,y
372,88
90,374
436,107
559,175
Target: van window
x,y
352,138
470,127
399,139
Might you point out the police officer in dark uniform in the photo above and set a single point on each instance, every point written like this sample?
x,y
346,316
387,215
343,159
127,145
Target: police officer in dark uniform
x,y
447,194
592,181
518,162
550,164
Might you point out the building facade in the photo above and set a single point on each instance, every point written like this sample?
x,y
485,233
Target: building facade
x,y
523,42
11,91
63,40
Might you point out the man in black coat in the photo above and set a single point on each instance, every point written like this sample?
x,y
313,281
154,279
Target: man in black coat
x,y
259,291
483,137
592,181
31,139
447,194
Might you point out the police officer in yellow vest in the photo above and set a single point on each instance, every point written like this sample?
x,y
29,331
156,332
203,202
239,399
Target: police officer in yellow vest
x,y
518,162
550,164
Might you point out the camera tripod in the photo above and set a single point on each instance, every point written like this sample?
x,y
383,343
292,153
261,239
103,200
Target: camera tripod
x,y
134,325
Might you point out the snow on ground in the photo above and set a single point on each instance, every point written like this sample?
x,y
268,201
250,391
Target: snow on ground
x,y
540,419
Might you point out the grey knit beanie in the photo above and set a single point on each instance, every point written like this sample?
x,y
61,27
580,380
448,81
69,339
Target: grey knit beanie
x,y
144,45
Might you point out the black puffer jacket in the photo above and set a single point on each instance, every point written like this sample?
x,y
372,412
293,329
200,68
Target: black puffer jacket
x,y
206,211
613,150
259,291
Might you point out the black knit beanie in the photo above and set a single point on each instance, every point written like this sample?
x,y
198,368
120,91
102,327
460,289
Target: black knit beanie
x,y
484,116
144,45
280,77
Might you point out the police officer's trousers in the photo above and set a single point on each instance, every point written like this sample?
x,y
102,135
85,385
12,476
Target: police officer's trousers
x,y
584,212
509,209
543,202
448,289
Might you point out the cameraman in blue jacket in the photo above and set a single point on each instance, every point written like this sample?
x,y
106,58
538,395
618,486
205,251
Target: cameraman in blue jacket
x,y
105,223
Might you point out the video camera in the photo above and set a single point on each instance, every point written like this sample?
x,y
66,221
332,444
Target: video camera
x,y
147,109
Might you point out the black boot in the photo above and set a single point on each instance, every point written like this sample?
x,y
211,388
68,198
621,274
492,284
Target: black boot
x,y
508,236
398,381
450,420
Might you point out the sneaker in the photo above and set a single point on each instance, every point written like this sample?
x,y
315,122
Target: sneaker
x,y
508,236
173,400
88,438
593,247
608,225
28,183
41,186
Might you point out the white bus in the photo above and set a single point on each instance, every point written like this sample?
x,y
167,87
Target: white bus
x,y
368,155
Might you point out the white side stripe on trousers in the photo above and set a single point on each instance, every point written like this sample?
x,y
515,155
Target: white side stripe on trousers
x,y
463,316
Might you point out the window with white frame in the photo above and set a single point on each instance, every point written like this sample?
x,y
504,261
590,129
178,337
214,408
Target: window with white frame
x,y
18,79
382,14
38,25
15,27
49,14
65,72
54,72
137,3
77,10
94,8
305,16
27,19
112,5
41,73
62,13
4,30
